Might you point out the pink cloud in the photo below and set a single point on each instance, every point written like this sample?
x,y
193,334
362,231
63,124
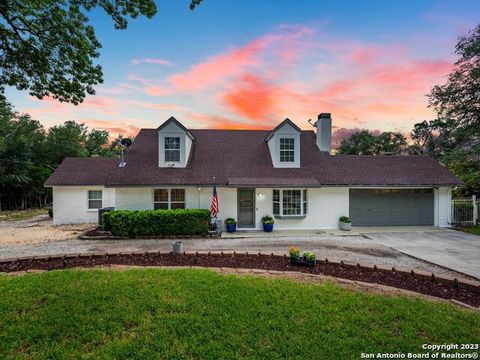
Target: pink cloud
x,y
114,127
156,91
172,107
214,69
253,98
221,122
156,61
218,69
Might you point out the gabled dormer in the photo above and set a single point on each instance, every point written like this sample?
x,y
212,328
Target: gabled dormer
x,y
284,145
174,144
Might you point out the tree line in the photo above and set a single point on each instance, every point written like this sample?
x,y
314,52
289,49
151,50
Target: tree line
x,y
29,154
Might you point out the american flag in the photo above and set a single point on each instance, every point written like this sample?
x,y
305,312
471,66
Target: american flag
x,y
214,207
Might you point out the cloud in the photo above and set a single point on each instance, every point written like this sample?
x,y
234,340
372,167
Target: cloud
x,y
97,104
156,91
156,61
253,98
157,106
114,128
119,89
140,79
216,68
221,122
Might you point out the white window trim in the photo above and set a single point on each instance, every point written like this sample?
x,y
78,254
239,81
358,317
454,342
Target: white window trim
x,y
169,202
88,199
302,202
280,150
179,148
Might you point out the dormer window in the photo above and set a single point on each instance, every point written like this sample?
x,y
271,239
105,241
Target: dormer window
x,y
284,145
174,144
287,150
172,149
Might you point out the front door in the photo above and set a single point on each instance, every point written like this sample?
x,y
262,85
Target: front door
x,y
246,208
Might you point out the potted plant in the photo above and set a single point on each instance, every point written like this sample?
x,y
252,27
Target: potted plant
x,y
294,253
267,222
231,225
307,259
345,223
309,256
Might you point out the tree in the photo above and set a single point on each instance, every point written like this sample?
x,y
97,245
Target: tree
x,y
435,138
454,138
65,140
21,140
459,98
74,140
48,47
367,143
29,154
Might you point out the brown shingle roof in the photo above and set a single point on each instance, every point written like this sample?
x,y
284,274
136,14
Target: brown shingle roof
x,y
241,157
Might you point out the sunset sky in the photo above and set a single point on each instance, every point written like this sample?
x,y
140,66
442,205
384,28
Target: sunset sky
x,y
250,64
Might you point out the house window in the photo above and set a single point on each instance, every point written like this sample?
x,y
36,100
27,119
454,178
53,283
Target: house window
x,y
160,199
289,202
169,199
94,199
172,149
287,149
177,199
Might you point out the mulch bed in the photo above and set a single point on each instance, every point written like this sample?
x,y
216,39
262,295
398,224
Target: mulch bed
x,y
402,280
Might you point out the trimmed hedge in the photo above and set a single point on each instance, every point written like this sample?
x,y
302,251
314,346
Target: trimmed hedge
x,y
157,222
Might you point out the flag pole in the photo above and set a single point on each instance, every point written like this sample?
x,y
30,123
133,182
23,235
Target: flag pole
x,y
214,207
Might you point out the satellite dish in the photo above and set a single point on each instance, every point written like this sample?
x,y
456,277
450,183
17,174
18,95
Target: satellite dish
x,y
126,142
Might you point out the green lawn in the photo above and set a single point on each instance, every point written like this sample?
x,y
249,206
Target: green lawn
x,y
472,230
177,314
13,215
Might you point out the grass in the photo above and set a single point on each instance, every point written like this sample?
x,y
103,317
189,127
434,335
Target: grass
x,y
177,314
15,215
471,229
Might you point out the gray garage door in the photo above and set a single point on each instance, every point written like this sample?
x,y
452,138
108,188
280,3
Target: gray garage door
x,y
391,207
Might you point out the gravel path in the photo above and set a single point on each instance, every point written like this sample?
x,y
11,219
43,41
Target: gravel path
x,y
37,230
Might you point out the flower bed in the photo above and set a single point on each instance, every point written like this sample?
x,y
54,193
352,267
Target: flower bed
x,y
428,284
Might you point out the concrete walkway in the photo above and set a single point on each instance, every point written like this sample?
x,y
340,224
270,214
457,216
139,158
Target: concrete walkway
x,y
450,248
356,231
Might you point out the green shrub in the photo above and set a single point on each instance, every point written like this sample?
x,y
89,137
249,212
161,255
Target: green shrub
x,y
267,220
345,219
106,222
157,222
309,256
230,221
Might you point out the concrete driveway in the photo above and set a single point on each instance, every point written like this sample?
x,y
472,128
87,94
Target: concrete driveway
x,y
449,248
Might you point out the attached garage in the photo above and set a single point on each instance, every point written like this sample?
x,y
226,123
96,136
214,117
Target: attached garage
x,y
391,207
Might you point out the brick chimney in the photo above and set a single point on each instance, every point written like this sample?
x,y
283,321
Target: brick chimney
x,y
324,132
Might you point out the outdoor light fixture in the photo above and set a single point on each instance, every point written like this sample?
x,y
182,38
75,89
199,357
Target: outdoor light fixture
x,y
260,196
